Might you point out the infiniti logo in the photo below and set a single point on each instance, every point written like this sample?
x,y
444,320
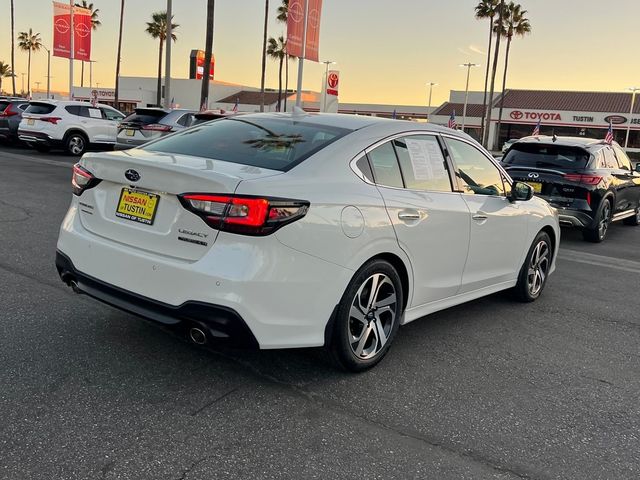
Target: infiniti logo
x,y
132,175
533,175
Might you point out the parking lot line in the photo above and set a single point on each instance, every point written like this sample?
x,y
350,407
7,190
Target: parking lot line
x,y
599,260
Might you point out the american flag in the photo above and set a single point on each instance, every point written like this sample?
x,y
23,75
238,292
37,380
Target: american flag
x,y
452,121
235,107
536,130
394,114
609,136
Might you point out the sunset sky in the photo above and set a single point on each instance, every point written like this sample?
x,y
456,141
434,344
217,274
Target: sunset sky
x,y
387,50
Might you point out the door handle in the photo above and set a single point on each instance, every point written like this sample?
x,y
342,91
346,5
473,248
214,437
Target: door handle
x,y
409,216
479,216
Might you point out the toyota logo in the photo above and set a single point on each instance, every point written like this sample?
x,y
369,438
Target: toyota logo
x,y
533,175
516,114
333,80
132,175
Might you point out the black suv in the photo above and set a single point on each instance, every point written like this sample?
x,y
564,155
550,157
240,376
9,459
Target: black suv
x,y
590,182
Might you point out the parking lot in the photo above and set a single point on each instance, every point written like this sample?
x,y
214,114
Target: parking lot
x,y
490,389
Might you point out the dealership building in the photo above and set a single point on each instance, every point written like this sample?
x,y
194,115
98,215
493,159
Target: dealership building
x,y
582,114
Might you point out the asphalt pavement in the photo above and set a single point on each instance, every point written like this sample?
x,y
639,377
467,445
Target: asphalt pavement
x,y
489,390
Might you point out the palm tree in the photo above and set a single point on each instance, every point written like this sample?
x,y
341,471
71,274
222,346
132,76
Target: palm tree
x,y
282,17
158,29
276,49
494,68
486,9
117,89
13,48
264,54
29,42
208,49
5,71
95,23
515,24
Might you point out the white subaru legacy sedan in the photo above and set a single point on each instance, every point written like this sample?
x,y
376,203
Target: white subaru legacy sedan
x,y
281,230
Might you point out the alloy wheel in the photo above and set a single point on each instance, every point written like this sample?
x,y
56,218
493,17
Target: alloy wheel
x,y
372,316
603,225
538,267
76,144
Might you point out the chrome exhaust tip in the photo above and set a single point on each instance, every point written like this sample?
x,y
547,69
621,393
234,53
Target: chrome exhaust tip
x,y
197,336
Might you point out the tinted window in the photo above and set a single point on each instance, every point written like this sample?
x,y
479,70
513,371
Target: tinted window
x,y
422,163
40,108
185,120
90,112
73,109
477,174
365,168
385,166
546,156
623,159
3,105
145,117
276,144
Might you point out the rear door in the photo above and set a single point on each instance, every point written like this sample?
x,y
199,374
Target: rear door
x,y
628,181
499,233
430,220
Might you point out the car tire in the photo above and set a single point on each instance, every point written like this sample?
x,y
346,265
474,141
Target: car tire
x,y
367,317
603,220
535,269
633,221
76,144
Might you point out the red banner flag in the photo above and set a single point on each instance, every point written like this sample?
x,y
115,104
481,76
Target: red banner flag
x,y
295,28
62,32
82,36
313,30
61,28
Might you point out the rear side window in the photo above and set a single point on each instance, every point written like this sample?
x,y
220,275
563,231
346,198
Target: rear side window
x,y
277,144
385,166
546,156
423,164
40,108
607,159
73,109
185,120
145,117
623,159
3,105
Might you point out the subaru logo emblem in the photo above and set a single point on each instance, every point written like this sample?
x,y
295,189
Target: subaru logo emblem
x,y
531,175
132,175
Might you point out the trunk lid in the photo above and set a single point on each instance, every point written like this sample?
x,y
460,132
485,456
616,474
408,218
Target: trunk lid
x,y
168,228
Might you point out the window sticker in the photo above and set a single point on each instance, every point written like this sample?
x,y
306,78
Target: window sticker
x,y
426,159
95,113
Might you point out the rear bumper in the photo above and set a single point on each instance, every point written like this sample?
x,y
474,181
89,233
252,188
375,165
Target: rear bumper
x,y
37,137
574,218
223,325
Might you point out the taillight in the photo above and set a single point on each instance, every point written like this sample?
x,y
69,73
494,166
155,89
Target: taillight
x,y
585,179
82,179
156,127
53,120
246,215
9,112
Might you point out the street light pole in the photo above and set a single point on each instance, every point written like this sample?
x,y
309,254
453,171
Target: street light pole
x,y
71,49
167,71
466,91
22,87
324,87
48,71
633,101
431,85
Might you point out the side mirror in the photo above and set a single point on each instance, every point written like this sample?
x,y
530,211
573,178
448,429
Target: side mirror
x,y
521,191
638,167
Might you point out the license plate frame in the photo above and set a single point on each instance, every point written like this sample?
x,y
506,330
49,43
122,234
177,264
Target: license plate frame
x,y
31,122
537,186
129,209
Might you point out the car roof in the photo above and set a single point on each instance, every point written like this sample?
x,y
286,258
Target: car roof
x,y
583,142
67,103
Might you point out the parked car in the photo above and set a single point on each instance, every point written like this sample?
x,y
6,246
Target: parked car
x,y
71,125
10,116
147,124
507,144
590,182
280,230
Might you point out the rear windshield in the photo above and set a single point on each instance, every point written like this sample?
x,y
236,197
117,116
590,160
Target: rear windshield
x,y
546,156
145,117
40,108
276,144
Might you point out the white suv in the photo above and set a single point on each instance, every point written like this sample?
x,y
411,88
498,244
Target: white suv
x,y
73,126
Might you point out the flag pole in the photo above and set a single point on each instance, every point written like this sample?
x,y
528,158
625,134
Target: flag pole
x,y
301,58
71,50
